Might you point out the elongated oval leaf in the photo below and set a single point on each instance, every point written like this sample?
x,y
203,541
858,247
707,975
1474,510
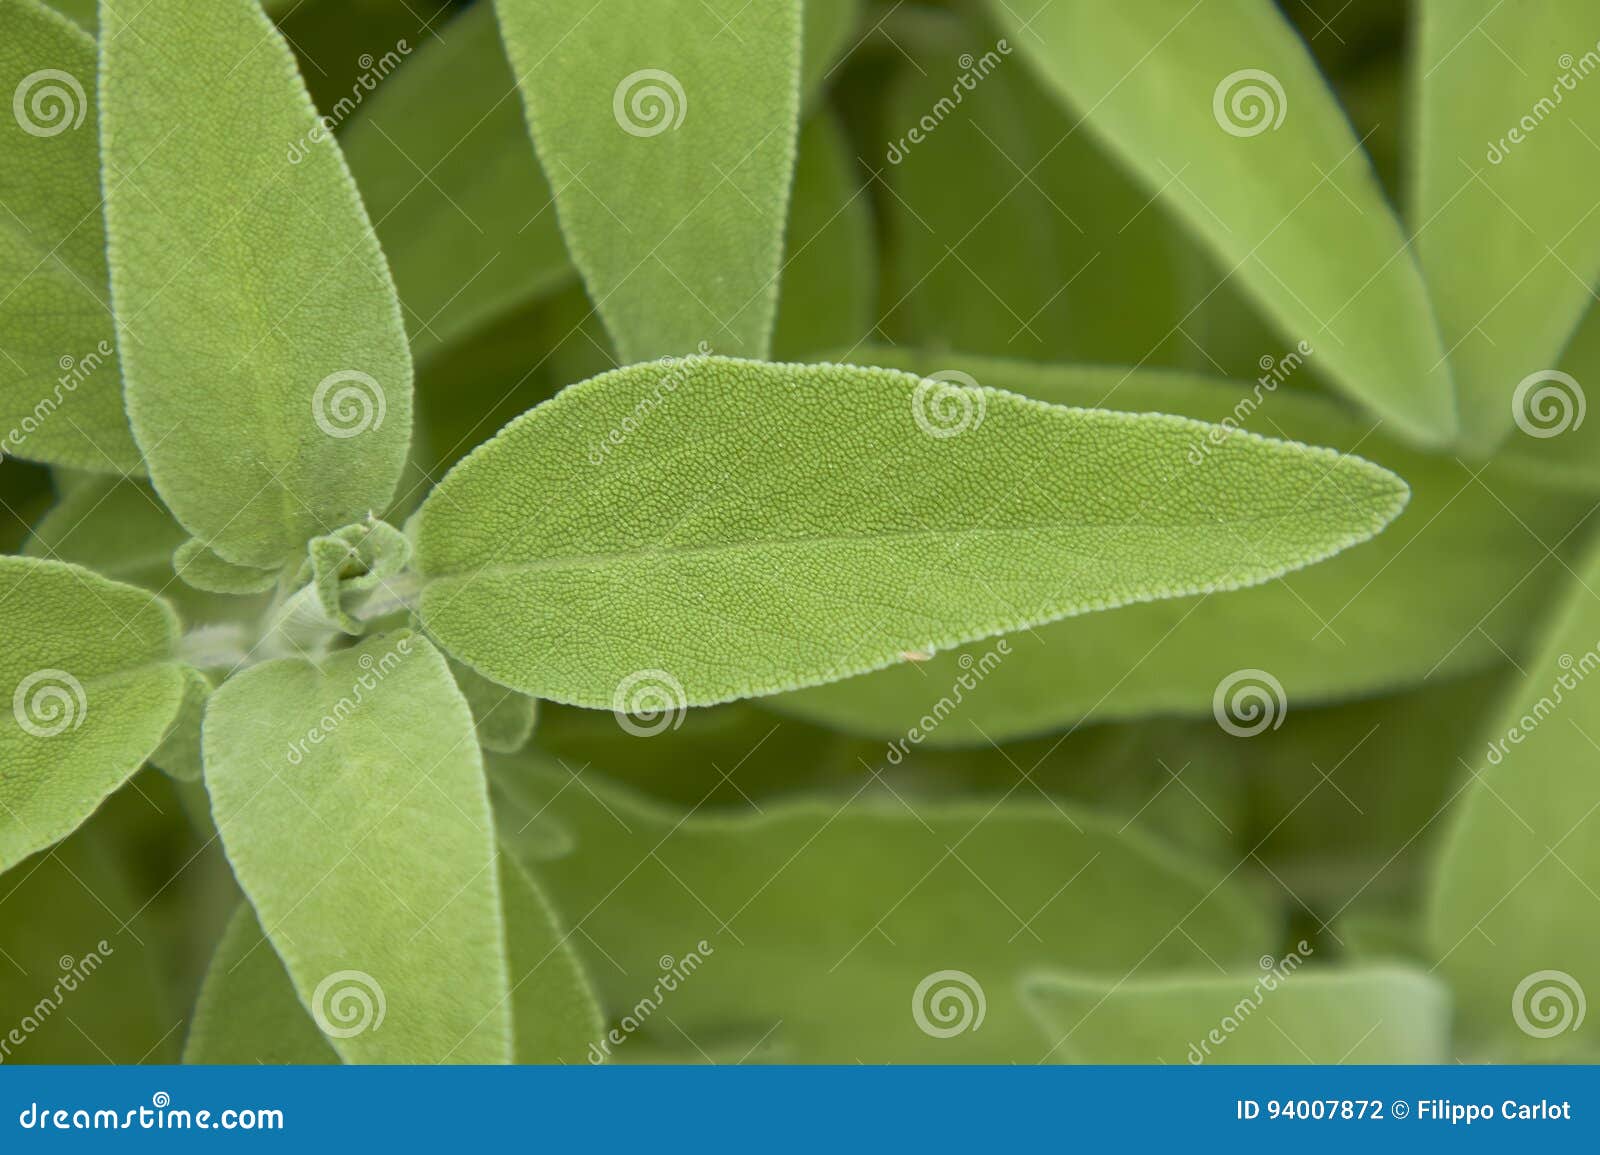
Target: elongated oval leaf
x,y
255,316
1219,108
708,529
350,800
668,132
465,215
89,675
1373,619
60,385
1512,922
825,923
1278,1015
1504,207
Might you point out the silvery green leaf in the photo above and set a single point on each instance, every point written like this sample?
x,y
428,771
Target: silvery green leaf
x,y
60,383
256,320
90,677
1220,110
668,134
349,796
1504,162
703,529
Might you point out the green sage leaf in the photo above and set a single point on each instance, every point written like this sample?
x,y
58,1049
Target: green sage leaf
x,y
826,921
1264,168
60,385
1372,620
668,132
255,316
90,675
708,529
1509,924
350,800
1503,208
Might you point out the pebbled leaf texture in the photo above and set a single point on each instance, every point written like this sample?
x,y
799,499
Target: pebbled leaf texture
x,y
1278,1015
1505,165
1374,619
1509,921
816,922
90,685
668,133
1219,109
706,529
60,384
255,315
350,799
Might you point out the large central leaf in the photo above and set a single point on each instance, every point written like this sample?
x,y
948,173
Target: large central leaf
x,y
724,528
